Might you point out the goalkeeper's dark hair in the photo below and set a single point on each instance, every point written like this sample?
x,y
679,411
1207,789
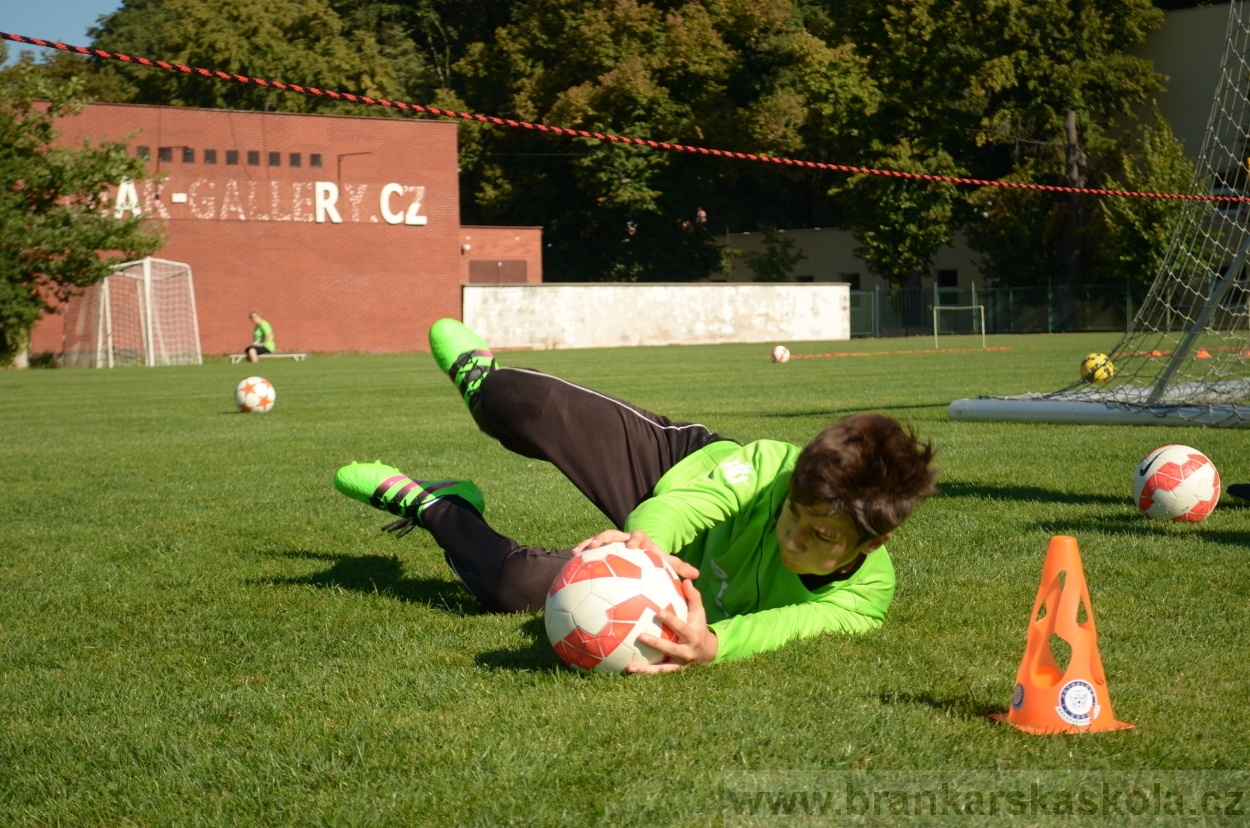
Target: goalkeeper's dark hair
x,y
867,467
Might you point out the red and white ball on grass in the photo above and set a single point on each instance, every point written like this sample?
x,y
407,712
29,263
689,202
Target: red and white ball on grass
x,y
603,599
781,354
255,394
1176,483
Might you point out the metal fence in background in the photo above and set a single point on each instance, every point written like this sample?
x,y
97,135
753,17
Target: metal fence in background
x,y
888,312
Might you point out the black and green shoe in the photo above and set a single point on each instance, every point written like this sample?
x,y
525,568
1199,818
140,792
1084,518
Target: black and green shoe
x,y
462,355
387,488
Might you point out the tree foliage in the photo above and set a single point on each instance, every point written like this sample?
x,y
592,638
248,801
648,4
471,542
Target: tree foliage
x,y
981,89
1125,239
53,200
744,75
974,88
299,41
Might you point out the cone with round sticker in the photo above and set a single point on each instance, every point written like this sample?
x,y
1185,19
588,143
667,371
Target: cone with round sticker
x,y
1048,698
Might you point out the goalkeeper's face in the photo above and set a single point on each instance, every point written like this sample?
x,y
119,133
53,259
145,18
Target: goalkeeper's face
x,y
811,543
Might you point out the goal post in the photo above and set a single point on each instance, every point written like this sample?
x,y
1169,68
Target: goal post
x,y
142,314
1185,358
975,308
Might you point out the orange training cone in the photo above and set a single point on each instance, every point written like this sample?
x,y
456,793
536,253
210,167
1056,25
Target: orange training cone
x,y
1203,353
1048,699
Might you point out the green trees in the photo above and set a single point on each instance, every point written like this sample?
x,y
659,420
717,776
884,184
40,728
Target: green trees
x,y
300,41
52,207
976,88
983,89
737,75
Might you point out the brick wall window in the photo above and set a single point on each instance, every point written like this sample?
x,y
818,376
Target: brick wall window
x,y
143,152
294,160
232,156
165,154
210,156
188,155
275,159
253,158
314,160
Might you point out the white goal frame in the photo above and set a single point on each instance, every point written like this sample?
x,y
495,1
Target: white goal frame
x,y
144,313
937,308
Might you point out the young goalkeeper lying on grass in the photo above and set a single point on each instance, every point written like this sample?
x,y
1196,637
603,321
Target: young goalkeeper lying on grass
x,y
774,542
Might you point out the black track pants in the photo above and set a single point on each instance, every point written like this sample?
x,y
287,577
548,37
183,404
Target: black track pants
x,y
613,452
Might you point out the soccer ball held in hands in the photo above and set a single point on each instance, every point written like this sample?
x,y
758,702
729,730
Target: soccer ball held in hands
x,y
603,599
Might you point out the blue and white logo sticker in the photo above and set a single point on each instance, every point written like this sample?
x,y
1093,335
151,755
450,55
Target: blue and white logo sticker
x,y
1078,703
1017,697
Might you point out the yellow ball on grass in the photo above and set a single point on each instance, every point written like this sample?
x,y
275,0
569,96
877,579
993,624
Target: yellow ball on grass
x,y
1097,368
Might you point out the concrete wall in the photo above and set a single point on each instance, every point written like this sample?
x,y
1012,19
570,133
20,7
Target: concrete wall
x,y
611,315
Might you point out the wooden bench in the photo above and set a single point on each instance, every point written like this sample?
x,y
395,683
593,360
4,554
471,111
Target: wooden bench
x,y
235,359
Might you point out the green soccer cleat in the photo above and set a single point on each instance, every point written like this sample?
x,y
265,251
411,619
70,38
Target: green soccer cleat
x,y
462,355
387,488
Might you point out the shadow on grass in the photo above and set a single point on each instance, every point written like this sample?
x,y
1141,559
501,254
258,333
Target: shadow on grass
x,y
376,574
534,656
1139,526
961,707
381,575
1028,494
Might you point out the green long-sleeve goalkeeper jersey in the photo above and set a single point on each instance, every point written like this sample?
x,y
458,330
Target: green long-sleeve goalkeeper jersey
x,y
717,510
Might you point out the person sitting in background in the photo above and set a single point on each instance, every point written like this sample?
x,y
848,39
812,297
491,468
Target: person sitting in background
x,y
262,337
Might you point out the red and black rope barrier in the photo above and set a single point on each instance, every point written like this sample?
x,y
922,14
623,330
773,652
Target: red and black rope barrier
x,y
600,136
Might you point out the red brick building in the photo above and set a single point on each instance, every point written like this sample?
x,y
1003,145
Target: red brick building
x,y
344,231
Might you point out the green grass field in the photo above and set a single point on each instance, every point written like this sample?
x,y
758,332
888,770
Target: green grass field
x,y
196,628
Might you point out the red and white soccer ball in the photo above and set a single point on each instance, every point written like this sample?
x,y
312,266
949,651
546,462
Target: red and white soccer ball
x,y
603,599
1176,483
255,394
781,354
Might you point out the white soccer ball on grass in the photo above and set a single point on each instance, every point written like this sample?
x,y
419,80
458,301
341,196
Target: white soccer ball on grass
x,y
255,394
781,354
1176,483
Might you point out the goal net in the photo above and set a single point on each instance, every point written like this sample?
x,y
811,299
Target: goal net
x,y
143,314
1186,356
